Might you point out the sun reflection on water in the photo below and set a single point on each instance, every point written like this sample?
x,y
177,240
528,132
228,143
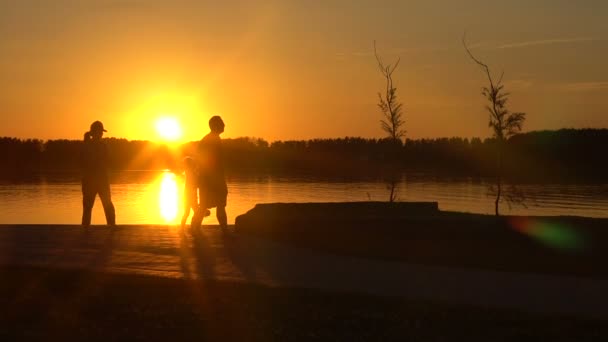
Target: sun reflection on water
x,y
168,197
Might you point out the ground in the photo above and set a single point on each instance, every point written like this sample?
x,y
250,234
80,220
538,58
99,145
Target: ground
x,y
43,304
157,282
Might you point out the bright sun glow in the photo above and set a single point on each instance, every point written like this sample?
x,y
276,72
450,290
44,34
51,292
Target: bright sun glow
x,y
168,197
168,128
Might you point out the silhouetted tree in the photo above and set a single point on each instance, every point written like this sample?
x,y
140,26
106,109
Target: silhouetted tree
x,y
504,123
391,109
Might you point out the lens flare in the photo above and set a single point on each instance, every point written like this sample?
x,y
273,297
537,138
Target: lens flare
x,y
168,197
553,234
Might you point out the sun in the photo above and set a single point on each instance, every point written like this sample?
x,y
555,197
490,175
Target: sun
x,y
168,128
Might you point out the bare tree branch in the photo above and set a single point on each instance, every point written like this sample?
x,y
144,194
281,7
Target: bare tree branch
x,y
386,70
483,65
501,76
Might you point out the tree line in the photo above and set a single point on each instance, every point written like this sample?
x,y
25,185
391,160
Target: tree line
x,y
566,154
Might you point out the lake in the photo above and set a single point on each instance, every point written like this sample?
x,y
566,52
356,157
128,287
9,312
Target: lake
x,y
153,197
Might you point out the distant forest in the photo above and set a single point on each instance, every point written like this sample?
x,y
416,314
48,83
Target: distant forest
x,y
577,154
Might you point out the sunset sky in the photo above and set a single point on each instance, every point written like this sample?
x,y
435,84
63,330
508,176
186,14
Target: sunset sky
x,y
295,69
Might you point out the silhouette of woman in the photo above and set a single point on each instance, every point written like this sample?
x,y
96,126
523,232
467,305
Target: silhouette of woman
x,y
95,178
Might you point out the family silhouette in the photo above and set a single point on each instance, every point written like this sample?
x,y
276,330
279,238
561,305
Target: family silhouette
x,y
204,185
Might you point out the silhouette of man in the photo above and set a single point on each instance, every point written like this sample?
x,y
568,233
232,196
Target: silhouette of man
x,y
95,178
213,190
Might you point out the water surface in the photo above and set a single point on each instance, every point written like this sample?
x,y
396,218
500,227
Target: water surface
x,y
154,197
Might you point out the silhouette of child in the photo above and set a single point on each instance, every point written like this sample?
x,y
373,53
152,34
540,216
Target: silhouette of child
x,y
190,189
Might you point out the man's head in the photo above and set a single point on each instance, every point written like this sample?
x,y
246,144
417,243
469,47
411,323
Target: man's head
x,y
97,129
216,124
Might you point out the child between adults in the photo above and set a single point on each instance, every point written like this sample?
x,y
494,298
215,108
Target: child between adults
x,y
190,190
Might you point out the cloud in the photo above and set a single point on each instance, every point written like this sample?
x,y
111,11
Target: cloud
x,y
362,53
519,84
138,6
584,86
546,42
395,52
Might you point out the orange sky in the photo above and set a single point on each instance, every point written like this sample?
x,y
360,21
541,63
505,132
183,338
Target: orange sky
x,y
294,69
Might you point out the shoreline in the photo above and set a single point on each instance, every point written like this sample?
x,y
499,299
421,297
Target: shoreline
x,y
553,245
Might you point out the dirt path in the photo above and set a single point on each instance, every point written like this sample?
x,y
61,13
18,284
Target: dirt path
x,y
165,251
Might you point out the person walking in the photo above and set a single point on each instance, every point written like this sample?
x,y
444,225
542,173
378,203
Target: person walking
x,y
213,190
190,189
95,179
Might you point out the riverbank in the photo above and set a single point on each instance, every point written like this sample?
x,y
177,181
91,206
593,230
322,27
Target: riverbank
x,y
419,233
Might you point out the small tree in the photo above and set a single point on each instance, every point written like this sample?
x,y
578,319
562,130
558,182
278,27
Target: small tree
x,y
392,122
504,124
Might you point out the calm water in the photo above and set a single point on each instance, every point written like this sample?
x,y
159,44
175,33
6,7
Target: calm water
x,y
154,197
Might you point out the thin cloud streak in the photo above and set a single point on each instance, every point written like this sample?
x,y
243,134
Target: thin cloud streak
x,y
519,84
584,86
395,51
546,42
